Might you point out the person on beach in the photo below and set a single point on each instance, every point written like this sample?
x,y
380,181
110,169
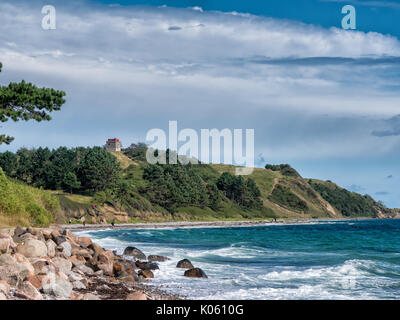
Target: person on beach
x,y
69,221
112,224
84,222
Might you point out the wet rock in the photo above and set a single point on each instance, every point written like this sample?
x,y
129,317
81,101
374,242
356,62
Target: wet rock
x,y
147,265
185,264
118,267
146,273
157,258
32,248
195,273
134,252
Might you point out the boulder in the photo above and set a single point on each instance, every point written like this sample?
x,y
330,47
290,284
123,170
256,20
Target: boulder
x,y
78,285
4,287
195,273
47,234
66,248
51,248
135,253
7,259
85,269
60,239
32,248
10,274
84,242
35,280
6,243
84,253
105,262
63,265
24,264
57,284
75,260
12,270
2,296
118,267
55,234
146,273
18,231
97,249
157,258
29,289
147,265
90,296
185,264
138,295
42,266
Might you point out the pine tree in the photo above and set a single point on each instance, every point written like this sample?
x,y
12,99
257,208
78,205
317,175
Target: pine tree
x,y
25,101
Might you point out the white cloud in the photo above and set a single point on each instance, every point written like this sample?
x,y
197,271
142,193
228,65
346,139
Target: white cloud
x,y
214,69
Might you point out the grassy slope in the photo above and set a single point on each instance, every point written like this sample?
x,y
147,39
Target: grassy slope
x,y
266,181
24,205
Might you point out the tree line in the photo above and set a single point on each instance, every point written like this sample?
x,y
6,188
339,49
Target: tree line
x,y
78,169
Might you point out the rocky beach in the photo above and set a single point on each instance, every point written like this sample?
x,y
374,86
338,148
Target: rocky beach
x,y
55,264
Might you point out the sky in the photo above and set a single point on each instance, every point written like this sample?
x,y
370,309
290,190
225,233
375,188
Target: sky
x,y
324,99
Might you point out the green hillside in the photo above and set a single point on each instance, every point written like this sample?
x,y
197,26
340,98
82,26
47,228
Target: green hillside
x,y
24,205
125,188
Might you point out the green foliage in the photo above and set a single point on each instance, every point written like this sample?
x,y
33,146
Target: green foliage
x,y
98,170
285,169
25,101
350,204
136,151
39,216
8,162
244,192
173,186
284,197
25,205
70,182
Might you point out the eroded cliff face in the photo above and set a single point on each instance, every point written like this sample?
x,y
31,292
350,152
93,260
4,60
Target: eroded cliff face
x,y
107,213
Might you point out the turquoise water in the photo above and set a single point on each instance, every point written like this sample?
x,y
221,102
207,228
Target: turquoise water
x,y
324,260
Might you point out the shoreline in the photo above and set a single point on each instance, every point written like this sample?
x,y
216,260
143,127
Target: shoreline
x,y
204,224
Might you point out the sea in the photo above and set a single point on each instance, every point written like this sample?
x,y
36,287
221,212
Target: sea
x,y
342,259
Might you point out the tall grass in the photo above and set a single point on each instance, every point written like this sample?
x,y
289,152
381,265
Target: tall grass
x,y
24,205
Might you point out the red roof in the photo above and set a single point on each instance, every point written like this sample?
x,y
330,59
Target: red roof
x,y
115,139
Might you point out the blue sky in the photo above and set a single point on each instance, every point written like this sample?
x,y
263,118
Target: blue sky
x,y
323,99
